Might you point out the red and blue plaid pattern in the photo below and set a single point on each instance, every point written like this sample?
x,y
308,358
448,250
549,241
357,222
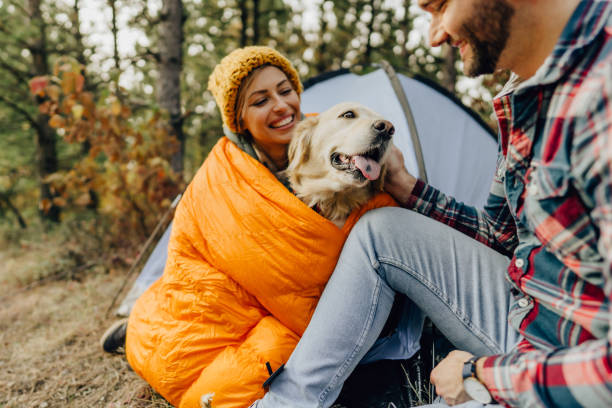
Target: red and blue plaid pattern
x,y
550,208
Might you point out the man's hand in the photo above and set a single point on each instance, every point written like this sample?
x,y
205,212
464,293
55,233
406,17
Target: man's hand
x,y
398,182
448,378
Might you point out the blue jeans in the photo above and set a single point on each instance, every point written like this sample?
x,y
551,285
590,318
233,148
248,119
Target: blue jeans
x,y
456,281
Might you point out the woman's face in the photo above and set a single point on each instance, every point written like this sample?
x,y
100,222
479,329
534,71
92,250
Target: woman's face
x,y
272,109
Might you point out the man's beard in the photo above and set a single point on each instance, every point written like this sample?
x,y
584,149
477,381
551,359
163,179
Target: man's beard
x,y
487,34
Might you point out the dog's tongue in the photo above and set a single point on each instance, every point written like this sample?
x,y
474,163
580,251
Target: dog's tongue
x,y
368,167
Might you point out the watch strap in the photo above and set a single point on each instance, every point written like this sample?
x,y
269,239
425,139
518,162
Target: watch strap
x,y
469,368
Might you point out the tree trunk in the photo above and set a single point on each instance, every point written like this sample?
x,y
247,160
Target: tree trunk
x,y
244,19
170,66
256,18
115,32
45,136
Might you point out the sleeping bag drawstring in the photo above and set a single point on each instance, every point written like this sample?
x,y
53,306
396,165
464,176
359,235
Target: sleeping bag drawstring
x,y
273,374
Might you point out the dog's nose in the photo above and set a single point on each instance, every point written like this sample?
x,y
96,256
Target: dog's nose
x,y
384,128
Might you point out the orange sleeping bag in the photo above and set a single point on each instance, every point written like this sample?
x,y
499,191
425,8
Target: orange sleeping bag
x,y
247,262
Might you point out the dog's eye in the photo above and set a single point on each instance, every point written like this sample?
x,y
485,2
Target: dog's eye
x,y
348,115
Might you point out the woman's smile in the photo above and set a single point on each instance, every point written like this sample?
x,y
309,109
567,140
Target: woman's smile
x,y
283,122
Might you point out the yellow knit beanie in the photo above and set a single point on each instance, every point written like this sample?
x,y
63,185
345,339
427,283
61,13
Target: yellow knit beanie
x,y
227,76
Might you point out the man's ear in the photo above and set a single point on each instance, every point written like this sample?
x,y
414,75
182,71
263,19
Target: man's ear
x,y
299,148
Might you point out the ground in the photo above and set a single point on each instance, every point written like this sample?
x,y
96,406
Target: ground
x,y
50,355
49,342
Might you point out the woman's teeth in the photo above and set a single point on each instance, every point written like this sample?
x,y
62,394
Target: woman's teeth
x,y
283,122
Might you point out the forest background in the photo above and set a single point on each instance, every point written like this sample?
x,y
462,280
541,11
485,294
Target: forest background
x,y
96,143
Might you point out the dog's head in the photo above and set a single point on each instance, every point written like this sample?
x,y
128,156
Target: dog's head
x,y
340,156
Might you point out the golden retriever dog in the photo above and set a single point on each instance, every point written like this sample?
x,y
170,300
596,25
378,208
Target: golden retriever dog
x,y
337,159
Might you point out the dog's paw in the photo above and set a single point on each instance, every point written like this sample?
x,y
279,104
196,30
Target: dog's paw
x,y
206,400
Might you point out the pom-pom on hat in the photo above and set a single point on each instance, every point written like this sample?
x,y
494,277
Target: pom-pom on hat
x,y
227,76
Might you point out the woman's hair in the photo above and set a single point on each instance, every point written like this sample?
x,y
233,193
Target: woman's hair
x,y
235,69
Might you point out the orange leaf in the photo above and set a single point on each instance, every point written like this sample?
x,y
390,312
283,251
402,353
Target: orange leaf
x,y
79,81
45,205
38,84
57,121
116,107
59,201
68,82
54,92
83,200
45,107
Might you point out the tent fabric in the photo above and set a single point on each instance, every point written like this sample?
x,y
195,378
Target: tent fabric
x,y
459,151
245,269
151,271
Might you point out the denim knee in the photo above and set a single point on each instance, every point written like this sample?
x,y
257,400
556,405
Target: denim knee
x,y
371,234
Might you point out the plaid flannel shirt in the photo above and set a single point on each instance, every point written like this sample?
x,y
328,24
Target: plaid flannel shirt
x,y
550,209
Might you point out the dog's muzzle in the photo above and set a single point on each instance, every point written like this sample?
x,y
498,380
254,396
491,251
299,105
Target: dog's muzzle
x,y
365,165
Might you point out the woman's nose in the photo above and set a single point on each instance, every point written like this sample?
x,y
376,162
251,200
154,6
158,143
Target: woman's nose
x,y
280,104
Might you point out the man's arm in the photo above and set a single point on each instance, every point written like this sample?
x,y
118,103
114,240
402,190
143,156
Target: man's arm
x,y
493,226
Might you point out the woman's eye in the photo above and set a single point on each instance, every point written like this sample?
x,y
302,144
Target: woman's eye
x,y
260,102
348,115
286,91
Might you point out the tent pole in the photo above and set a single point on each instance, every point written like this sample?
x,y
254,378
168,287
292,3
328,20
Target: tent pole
x,y
153,238
414,135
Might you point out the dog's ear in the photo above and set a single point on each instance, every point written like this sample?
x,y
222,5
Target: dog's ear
x,y
299,148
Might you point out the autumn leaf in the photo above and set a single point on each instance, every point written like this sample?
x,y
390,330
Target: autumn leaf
x,y
87,101
79,81
45,205
68,82
59,201
57,121
83,200
45,107
38,85
54,92
54,178
115,107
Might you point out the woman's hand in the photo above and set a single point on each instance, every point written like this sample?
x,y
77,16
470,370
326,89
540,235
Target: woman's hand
x,y
398,182
447,377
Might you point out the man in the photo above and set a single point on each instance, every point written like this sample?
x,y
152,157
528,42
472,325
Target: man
x,y
537,327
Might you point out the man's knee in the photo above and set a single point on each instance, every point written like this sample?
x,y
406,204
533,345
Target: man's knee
x,y
390,221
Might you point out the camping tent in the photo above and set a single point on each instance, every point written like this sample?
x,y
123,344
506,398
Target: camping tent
x,y
443,142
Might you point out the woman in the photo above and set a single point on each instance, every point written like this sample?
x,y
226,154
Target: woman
x,y
246,264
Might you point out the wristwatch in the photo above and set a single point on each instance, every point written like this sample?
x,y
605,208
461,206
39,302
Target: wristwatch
x,y
472,385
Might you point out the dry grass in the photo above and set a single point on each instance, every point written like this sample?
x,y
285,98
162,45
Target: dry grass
x,y
49,354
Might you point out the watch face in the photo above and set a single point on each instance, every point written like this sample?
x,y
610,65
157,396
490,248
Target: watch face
x,y
476,390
